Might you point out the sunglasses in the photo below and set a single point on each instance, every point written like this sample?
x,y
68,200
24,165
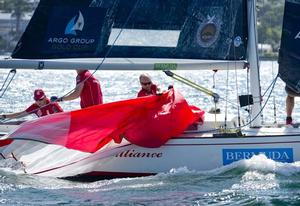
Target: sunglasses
x,y
145,83
39,100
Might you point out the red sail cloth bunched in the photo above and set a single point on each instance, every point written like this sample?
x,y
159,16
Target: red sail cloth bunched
x,y
147,122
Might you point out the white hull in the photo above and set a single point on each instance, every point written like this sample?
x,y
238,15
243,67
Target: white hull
x,y
196,151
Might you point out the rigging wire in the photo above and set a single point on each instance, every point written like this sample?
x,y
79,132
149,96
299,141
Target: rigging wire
x,y
215,102
236,79
201,88
274,98
248,91
237,94
7,81
226,97
272,85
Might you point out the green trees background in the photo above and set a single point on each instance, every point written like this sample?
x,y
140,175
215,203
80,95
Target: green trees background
x,y
269,22
269,19
18,9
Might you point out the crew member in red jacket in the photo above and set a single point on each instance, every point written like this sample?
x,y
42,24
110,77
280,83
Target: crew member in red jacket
x,y
148,88
87,88
41,107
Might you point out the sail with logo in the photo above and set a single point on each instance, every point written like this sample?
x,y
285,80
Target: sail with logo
x,y
70,37
151,33
289,55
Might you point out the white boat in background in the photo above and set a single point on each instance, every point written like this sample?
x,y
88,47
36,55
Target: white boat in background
x,y
204,35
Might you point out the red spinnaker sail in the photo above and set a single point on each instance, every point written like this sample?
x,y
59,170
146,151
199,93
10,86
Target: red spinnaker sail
x,y
146,121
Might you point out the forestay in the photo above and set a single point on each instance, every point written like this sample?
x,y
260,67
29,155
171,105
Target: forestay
x,y
159,31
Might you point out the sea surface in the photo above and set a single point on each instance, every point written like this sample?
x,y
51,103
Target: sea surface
x,y
258,181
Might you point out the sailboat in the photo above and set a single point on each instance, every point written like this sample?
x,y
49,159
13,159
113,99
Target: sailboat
x,y
164,35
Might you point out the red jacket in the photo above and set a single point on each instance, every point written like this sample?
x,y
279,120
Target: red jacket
x,y
91,93
50,108
144,92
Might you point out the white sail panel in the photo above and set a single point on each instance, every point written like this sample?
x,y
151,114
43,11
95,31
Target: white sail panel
x,y
142,37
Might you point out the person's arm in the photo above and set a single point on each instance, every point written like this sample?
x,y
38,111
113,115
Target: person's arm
x,y
14,115
75,94
56,108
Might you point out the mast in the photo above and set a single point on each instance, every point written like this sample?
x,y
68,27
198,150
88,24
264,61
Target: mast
x,y
254,64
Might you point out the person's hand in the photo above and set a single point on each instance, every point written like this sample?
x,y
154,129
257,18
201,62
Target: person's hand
x,y
56,99
53,98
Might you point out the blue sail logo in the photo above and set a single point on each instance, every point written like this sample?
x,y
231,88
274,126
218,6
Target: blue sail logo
x,y
75,24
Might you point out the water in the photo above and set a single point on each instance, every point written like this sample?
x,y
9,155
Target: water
x,y
257,181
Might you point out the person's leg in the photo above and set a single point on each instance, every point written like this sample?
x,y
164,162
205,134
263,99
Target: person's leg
x,y
290,102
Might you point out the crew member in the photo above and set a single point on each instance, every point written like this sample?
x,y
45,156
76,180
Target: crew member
x,y
41,107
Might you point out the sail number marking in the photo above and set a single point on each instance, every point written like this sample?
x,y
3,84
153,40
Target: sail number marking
x,y
165,66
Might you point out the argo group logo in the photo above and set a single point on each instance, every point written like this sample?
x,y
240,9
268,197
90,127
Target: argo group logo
x,y
75,24
76,30
71,38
